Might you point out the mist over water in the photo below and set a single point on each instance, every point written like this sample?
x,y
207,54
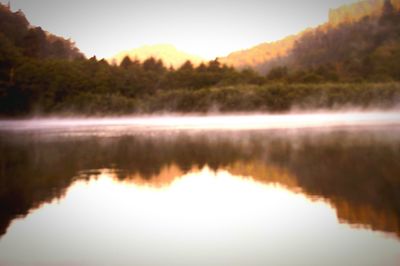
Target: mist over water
x,y
212,122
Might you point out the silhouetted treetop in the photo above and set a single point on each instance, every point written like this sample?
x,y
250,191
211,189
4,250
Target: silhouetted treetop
x,y
34,41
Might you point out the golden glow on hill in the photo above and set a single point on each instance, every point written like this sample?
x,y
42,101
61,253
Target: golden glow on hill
x,y
355,12
261,54
167,53
268,55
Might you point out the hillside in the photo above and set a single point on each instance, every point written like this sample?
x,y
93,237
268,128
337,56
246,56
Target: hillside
x,y
18,36
165,52
365,50
266,56
261,57
355,12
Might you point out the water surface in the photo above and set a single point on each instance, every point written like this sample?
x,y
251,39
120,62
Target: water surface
x,y
106,192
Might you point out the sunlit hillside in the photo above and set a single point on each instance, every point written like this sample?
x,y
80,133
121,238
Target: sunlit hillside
x,y
355,12
258,56
165,52
268,55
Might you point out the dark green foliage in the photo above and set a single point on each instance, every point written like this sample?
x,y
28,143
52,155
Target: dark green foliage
x,y
43,74
275,98
278,74
13,25
388,9
351,52
9,58
34,41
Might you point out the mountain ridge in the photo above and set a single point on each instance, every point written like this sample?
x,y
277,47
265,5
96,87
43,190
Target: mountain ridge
x,y
268,55
356,11
167,53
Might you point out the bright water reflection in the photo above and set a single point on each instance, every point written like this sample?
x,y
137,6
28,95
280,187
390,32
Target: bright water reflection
x,y
199,218
320,189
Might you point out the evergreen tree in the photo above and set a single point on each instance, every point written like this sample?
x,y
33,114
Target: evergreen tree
x,y
126,62
388,9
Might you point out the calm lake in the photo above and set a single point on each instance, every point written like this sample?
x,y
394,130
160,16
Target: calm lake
x,y
321,189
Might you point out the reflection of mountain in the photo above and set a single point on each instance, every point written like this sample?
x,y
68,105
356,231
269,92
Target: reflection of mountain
x,y
357,173
167,53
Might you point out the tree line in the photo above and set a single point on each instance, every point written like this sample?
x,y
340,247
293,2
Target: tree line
x,y
42,74
365,50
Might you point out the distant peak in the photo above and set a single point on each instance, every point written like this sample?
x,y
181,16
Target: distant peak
x,y
168,53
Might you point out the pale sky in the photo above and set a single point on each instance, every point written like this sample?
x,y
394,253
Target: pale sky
x,y
208,28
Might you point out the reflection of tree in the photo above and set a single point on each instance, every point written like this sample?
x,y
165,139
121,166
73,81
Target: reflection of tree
x,y
360,213
35,170
356,173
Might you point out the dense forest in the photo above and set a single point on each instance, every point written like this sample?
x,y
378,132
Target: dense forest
x,y
358,10
353,30
366,50
352,64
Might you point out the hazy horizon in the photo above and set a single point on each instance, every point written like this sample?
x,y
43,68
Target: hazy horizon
x,y
206,29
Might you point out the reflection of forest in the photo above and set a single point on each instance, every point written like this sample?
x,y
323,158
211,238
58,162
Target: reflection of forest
x,y
364,212
356,172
